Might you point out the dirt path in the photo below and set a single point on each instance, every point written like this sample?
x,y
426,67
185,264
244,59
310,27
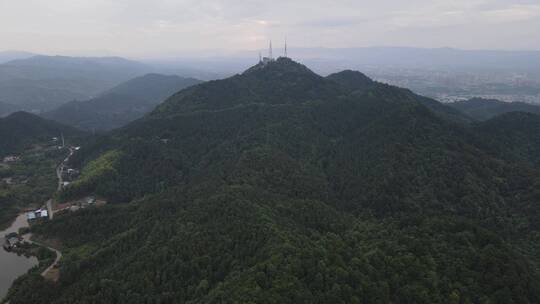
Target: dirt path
x,y
51,273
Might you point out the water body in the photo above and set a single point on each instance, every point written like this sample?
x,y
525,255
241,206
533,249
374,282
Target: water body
x,y
12,265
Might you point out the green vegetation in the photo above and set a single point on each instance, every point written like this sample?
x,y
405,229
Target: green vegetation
x,y
29,182
281,186
95,173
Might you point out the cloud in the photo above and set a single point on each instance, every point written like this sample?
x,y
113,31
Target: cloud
x,y
513,13
153,26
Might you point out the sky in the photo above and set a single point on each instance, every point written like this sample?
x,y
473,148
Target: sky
x,y
166,27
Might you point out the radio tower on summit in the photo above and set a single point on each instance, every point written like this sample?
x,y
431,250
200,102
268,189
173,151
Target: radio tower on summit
x,y
270,57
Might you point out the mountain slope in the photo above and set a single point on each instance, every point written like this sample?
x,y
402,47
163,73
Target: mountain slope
x,y
21,129
354,82
121,104
514,136
484,109
41,83
248,190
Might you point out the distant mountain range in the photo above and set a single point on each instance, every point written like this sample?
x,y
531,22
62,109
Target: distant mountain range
x,y
484,109
20,129
121,104
6,56
41,83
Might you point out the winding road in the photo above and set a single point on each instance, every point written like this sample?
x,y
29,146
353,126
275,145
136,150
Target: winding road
x,y
51,273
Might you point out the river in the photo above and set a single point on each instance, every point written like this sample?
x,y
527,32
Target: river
x,y
12,265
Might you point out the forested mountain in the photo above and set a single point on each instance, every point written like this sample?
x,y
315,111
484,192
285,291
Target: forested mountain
x,y
41,83
20,129
281,186
484,109
121,104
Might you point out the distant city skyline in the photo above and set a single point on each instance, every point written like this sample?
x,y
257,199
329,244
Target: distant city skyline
x,y
164,27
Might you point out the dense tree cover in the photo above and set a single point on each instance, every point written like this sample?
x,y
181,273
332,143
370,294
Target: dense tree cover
x,y
246,190
484,109
514,136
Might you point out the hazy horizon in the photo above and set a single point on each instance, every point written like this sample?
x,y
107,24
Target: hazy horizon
x,y
160,28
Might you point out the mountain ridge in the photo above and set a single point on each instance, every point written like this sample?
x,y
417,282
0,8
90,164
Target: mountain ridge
x,y
485,109
121,104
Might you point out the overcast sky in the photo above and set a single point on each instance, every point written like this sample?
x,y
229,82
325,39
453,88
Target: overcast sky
x,y
163,27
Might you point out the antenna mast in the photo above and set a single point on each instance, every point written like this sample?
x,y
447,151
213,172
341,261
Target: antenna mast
x,y
286,47
270,51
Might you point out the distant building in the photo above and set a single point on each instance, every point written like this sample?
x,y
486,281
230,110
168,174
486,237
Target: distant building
x,y
32,215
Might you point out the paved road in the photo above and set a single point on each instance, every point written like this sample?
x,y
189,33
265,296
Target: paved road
x,y
59,170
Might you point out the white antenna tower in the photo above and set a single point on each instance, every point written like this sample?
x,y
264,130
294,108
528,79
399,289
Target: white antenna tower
x,y
270,51
286,47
